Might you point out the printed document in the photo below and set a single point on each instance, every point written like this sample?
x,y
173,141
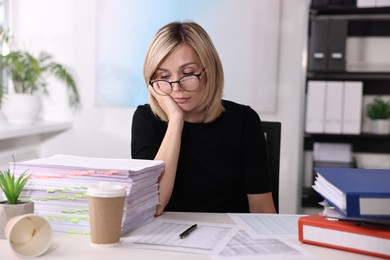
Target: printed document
x,y
224,241
268,225
207,238
243,247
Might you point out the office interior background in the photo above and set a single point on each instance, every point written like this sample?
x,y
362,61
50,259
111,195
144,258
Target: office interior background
x,y
67,29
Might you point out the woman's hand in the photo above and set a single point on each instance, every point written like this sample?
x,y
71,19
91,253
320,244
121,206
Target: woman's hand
x,y
171,109
261,203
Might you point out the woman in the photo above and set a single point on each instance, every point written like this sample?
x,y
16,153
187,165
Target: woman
x,y
213,149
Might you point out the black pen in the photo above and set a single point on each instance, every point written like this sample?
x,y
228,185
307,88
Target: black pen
x,y
188,231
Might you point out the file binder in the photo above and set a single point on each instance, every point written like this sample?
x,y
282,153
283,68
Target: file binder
x,y
327,46
337,29
318,45
355,192
382,3
333,107
365,3
315,108
352,107
350,236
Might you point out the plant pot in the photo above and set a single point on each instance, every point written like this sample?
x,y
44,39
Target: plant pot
x,y
8,211
21,108
380,126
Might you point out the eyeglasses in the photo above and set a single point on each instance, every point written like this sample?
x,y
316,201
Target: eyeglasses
x,y
187,82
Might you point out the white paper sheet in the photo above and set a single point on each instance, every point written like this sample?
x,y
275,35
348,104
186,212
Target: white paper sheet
x,y
72,161
243,247
224,241
268,225
208,238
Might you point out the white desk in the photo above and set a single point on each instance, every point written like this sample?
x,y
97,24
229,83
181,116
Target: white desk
x,y
78,247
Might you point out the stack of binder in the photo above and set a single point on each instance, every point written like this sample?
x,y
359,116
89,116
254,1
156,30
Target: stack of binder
x,y
358,218
355,192
58,186
334,107
362,238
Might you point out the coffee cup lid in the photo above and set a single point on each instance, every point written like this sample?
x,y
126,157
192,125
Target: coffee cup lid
x,y
106,190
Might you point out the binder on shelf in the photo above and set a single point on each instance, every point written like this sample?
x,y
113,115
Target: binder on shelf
x,y
366,239
333,107
352,107
365,3
315,107
332,3
355,192
382,3
332,155
318,45
337,33
319,3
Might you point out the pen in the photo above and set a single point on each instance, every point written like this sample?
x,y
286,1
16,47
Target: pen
x,y
188,231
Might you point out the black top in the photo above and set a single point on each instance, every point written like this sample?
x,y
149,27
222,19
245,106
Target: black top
x,y
219,164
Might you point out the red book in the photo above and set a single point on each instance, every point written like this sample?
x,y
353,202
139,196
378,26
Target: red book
x,y
362,238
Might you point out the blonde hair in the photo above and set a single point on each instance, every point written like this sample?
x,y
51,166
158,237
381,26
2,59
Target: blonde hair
x,y
165,41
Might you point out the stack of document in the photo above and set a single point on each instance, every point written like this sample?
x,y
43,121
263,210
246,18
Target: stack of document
x,y
58,186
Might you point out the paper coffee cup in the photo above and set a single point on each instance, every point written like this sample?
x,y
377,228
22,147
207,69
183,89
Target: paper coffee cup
x,y
28,235
106,203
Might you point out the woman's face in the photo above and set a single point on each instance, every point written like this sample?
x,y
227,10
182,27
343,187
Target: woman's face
x,y
184,61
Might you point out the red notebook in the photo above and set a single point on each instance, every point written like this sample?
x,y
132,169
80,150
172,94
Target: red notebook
x,y
345,235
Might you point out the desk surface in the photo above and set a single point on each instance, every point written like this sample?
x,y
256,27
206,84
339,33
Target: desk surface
x,y
66,246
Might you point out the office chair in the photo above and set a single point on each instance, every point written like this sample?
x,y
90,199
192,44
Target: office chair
x,y
272,131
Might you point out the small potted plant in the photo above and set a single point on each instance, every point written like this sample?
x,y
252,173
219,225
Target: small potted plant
x,y
379,113
28,75
12,207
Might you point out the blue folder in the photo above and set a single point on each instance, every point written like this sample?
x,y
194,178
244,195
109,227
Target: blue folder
x,y
366,191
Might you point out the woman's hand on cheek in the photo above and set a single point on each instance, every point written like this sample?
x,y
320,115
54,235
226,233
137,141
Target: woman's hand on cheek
x,y
167,103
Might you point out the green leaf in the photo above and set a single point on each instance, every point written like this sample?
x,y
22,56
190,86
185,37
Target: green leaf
x,y
29,72
12,187
378,109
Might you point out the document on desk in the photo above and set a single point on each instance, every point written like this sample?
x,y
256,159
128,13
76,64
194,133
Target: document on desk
x,y
243,247
265,235
268,225
207,238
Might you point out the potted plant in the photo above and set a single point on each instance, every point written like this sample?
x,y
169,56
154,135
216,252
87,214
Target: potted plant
x,y
12,207
28,74
379,112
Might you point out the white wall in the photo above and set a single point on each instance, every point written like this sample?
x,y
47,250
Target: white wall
x,y
67,30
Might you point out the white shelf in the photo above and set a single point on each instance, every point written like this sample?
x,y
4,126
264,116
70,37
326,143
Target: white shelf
x,y
12,131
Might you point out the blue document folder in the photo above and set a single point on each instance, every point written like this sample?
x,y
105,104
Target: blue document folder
x,y
355,192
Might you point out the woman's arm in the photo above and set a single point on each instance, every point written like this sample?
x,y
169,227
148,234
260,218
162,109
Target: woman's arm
x,y
261,203
170,147
169,153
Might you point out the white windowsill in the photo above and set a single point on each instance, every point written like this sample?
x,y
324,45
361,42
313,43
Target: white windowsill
x,y
12,131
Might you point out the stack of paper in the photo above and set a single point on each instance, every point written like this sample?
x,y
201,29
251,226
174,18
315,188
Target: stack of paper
x,y
58,186
333,155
